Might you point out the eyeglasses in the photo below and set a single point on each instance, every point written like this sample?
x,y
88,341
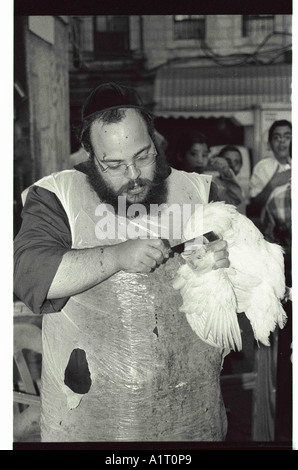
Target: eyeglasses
x,y
120,169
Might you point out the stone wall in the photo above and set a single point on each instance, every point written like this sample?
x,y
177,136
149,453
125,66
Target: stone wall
x,y
223,36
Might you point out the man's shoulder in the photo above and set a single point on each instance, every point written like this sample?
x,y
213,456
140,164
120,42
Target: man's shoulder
x,y
189,185
264,163
55,181
184,175
63,175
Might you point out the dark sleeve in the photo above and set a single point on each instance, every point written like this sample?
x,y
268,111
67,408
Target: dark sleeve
x,y
254,208
213,194
39,246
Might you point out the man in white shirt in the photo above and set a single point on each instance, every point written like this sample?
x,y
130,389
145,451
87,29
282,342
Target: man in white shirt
x,y
271,197
270,174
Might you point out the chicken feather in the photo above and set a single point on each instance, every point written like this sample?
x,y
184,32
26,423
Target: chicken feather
x,y
254,283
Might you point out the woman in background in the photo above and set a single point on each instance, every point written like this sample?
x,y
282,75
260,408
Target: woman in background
x,y
228,163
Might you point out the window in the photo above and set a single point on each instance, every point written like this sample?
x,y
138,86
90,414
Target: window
x,y
111,34
189,26
257,24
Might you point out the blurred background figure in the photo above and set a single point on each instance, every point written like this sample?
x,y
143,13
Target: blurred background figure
x,y
228,164
277,223
273,174
233,157
277,228
192,155
271,204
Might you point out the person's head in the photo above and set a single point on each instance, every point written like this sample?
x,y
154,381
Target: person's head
x,y
118,134
280,140
233,157
192,151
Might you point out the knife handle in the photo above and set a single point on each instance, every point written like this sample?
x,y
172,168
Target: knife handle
x,y
211,236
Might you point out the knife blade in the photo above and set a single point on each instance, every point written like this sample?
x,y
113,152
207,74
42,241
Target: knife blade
x,y
211,236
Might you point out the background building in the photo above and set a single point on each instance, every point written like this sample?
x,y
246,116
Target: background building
x,y
229,75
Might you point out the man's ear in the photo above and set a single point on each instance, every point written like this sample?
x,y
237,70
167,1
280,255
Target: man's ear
x,y
84,148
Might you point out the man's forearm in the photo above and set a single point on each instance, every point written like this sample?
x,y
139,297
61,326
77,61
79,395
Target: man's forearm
x,y
80,270
258,202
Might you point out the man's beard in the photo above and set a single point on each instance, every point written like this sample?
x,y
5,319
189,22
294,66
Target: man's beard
x,y
156,194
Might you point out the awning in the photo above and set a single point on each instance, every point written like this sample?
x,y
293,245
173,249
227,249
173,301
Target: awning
x,y
220,90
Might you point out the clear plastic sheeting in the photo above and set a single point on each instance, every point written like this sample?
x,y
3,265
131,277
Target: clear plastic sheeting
x,y
152,378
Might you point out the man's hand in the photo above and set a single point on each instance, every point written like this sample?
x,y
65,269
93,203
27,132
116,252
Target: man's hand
x,y
141,255
222,166
280,178
219,248
258,202
213,255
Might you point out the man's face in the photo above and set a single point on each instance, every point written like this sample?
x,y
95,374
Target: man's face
x,y
124,142
234,160
280,143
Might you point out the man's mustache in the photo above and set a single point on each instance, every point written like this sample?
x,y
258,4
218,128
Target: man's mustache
x,y
133,183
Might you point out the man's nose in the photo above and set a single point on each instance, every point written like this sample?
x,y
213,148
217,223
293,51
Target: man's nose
x,y
132,172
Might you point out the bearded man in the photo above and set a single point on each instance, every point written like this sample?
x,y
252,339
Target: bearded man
x,y
119,361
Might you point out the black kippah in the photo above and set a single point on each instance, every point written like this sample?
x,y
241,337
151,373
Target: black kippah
x,y
109,95
105,97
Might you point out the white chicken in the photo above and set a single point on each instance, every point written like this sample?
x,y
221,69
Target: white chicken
x,y
254,283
